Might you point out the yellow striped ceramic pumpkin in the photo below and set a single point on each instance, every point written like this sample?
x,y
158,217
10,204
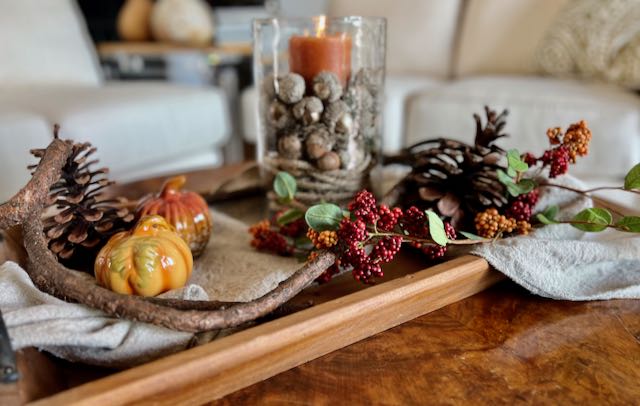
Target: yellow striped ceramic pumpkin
x,y
187,211
146,261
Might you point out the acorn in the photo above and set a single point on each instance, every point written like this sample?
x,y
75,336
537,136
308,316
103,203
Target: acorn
x,y
329,162
290,146
318,143
327,87
279,115
333,113
308,110
291,88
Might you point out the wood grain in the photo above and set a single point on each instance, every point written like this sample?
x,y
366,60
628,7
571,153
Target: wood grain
x,y
502,346
164,48
234,362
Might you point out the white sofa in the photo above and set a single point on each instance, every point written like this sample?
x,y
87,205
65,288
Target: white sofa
x,y
447,59
49,74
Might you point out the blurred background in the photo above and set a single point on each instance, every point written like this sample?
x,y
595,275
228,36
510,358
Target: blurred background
x,y
165,86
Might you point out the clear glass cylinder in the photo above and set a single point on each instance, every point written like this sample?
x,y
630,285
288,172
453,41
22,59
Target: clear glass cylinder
x,y
320,82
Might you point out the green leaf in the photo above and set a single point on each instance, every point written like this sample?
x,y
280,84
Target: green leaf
x,y
436,228
285,186
303,242
470,236
544,219
597,218
515,162
290,216
551,212
512,172
629,223
325,216
520,188
504,178
632,180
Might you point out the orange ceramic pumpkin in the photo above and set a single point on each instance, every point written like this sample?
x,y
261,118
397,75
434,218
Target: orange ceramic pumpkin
x,y
186,211
149,260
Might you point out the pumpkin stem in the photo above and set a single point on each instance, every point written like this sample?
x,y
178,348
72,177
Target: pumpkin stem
x,y
173,185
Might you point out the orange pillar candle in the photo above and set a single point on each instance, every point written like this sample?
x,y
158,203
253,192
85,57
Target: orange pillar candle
x,y
310,55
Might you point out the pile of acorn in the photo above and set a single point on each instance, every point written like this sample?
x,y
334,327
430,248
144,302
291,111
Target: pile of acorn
x,y
317,125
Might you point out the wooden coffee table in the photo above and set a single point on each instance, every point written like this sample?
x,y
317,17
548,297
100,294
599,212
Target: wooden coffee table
x,y
499,346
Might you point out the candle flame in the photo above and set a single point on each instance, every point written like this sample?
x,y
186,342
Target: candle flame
x,y
321,26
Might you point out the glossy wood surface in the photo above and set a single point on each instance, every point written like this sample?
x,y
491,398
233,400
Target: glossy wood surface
x,y
501,346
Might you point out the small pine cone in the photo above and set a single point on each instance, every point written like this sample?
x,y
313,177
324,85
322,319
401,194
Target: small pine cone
x,y
290,146
291,88
279,115
308,110
327,86
318,143
329,162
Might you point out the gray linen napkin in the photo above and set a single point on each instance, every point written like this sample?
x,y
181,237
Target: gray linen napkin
x,y
561,262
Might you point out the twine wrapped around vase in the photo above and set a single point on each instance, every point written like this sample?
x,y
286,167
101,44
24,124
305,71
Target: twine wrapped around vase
x,y
313,185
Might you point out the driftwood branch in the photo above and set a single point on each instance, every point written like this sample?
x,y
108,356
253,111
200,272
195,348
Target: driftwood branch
x,y
53,278
35,193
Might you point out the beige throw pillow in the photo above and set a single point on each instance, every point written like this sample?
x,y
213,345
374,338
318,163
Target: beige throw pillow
x,y
595,39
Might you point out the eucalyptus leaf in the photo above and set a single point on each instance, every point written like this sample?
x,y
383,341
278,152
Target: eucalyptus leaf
x,y
285,187
551,212
593,220
470,236
325,216
504,178
290,216
515,161
436,228
512,172
521,188
544,219
632,180
629,223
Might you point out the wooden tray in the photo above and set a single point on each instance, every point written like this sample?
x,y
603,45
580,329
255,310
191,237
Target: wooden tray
x,y
231,363
344,312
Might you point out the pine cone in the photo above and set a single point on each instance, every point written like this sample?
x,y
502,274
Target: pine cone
x,y
81,219
455,179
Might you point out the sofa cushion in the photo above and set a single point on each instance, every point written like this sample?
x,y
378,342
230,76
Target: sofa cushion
x,y
136,126
536,104
45,41
420,33
19,132
499,36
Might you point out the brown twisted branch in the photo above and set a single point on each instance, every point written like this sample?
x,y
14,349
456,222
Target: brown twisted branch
x,y
35,193
51,277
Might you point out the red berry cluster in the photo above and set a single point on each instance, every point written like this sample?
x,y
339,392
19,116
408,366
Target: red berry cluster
x,y
567,147
521,208
435,251
266,239
363,206
414,221
388,217
386,248
294,229
557,159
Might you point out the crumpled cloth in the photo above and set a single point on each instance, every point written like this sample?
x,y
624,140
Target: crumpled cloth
x,y
230,270
562,262
556,261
